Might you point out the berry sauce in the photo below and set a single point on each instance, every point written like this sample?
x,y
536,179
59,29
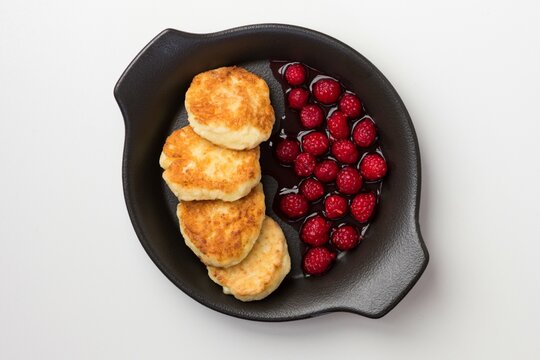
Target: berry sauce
x,y
291,128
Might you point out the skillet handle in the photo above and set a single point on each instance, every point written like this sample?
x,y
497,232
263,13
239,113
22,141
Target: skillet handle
x,y
146,74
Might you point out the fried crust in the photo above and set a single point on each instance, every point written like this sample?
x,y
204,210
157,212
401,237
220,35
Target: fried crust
x,y
262,271
222,233
231,107
196,169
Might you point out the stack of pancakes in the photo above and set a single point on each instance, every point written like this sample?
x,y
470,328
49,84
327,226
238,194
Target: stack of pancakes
x,y
212,166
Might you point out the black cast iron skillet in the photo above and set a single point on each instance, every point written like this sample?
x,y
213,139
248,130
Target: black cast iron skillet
x,y
370,280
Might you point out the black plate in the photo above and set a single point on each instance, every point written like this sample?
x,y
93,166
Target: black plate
x,y
370,280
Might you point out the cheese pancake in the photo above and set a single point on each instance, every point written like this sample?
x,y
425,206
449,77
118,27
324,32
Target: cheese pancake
x,y
196,169
231,107
222,233
262,270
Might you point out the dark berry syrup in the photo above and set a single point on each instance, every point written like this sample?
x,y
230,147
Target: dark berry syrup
x,y
291,128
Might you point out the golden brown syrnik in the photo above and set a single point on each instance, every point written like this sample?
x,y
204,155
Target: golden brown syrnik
x,y
196,169
231,107
262,271
222,233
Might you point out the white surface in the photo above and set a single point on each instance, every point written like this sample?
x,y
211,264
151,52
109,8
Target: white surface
x,y
75,282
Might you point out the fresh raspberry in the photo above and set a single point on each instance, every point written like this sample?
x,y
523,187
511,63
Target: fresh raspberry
x,y
362,206
304,164
345,151
345,237
298,97
294,205
311,116
312,189
287,150
350,105
295,74
364,133
335,206
326,171
315,231
315,143
373,167
318,260
326,91
338,125
348,181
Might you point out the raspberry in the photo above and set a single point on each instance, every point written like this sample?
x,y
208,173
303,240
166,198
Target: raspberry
x,y
345,151
304,164
315,143
335,206
294,205
326,171
311,116
298,98
348,181
350,105
338,125
373,167
326,91
364,133
318,260
345,237
312,189
362,206
315,231
287,150
295,74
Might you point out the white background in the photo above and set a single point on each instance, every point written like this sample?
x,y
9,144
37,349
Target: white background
x,y
76,284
